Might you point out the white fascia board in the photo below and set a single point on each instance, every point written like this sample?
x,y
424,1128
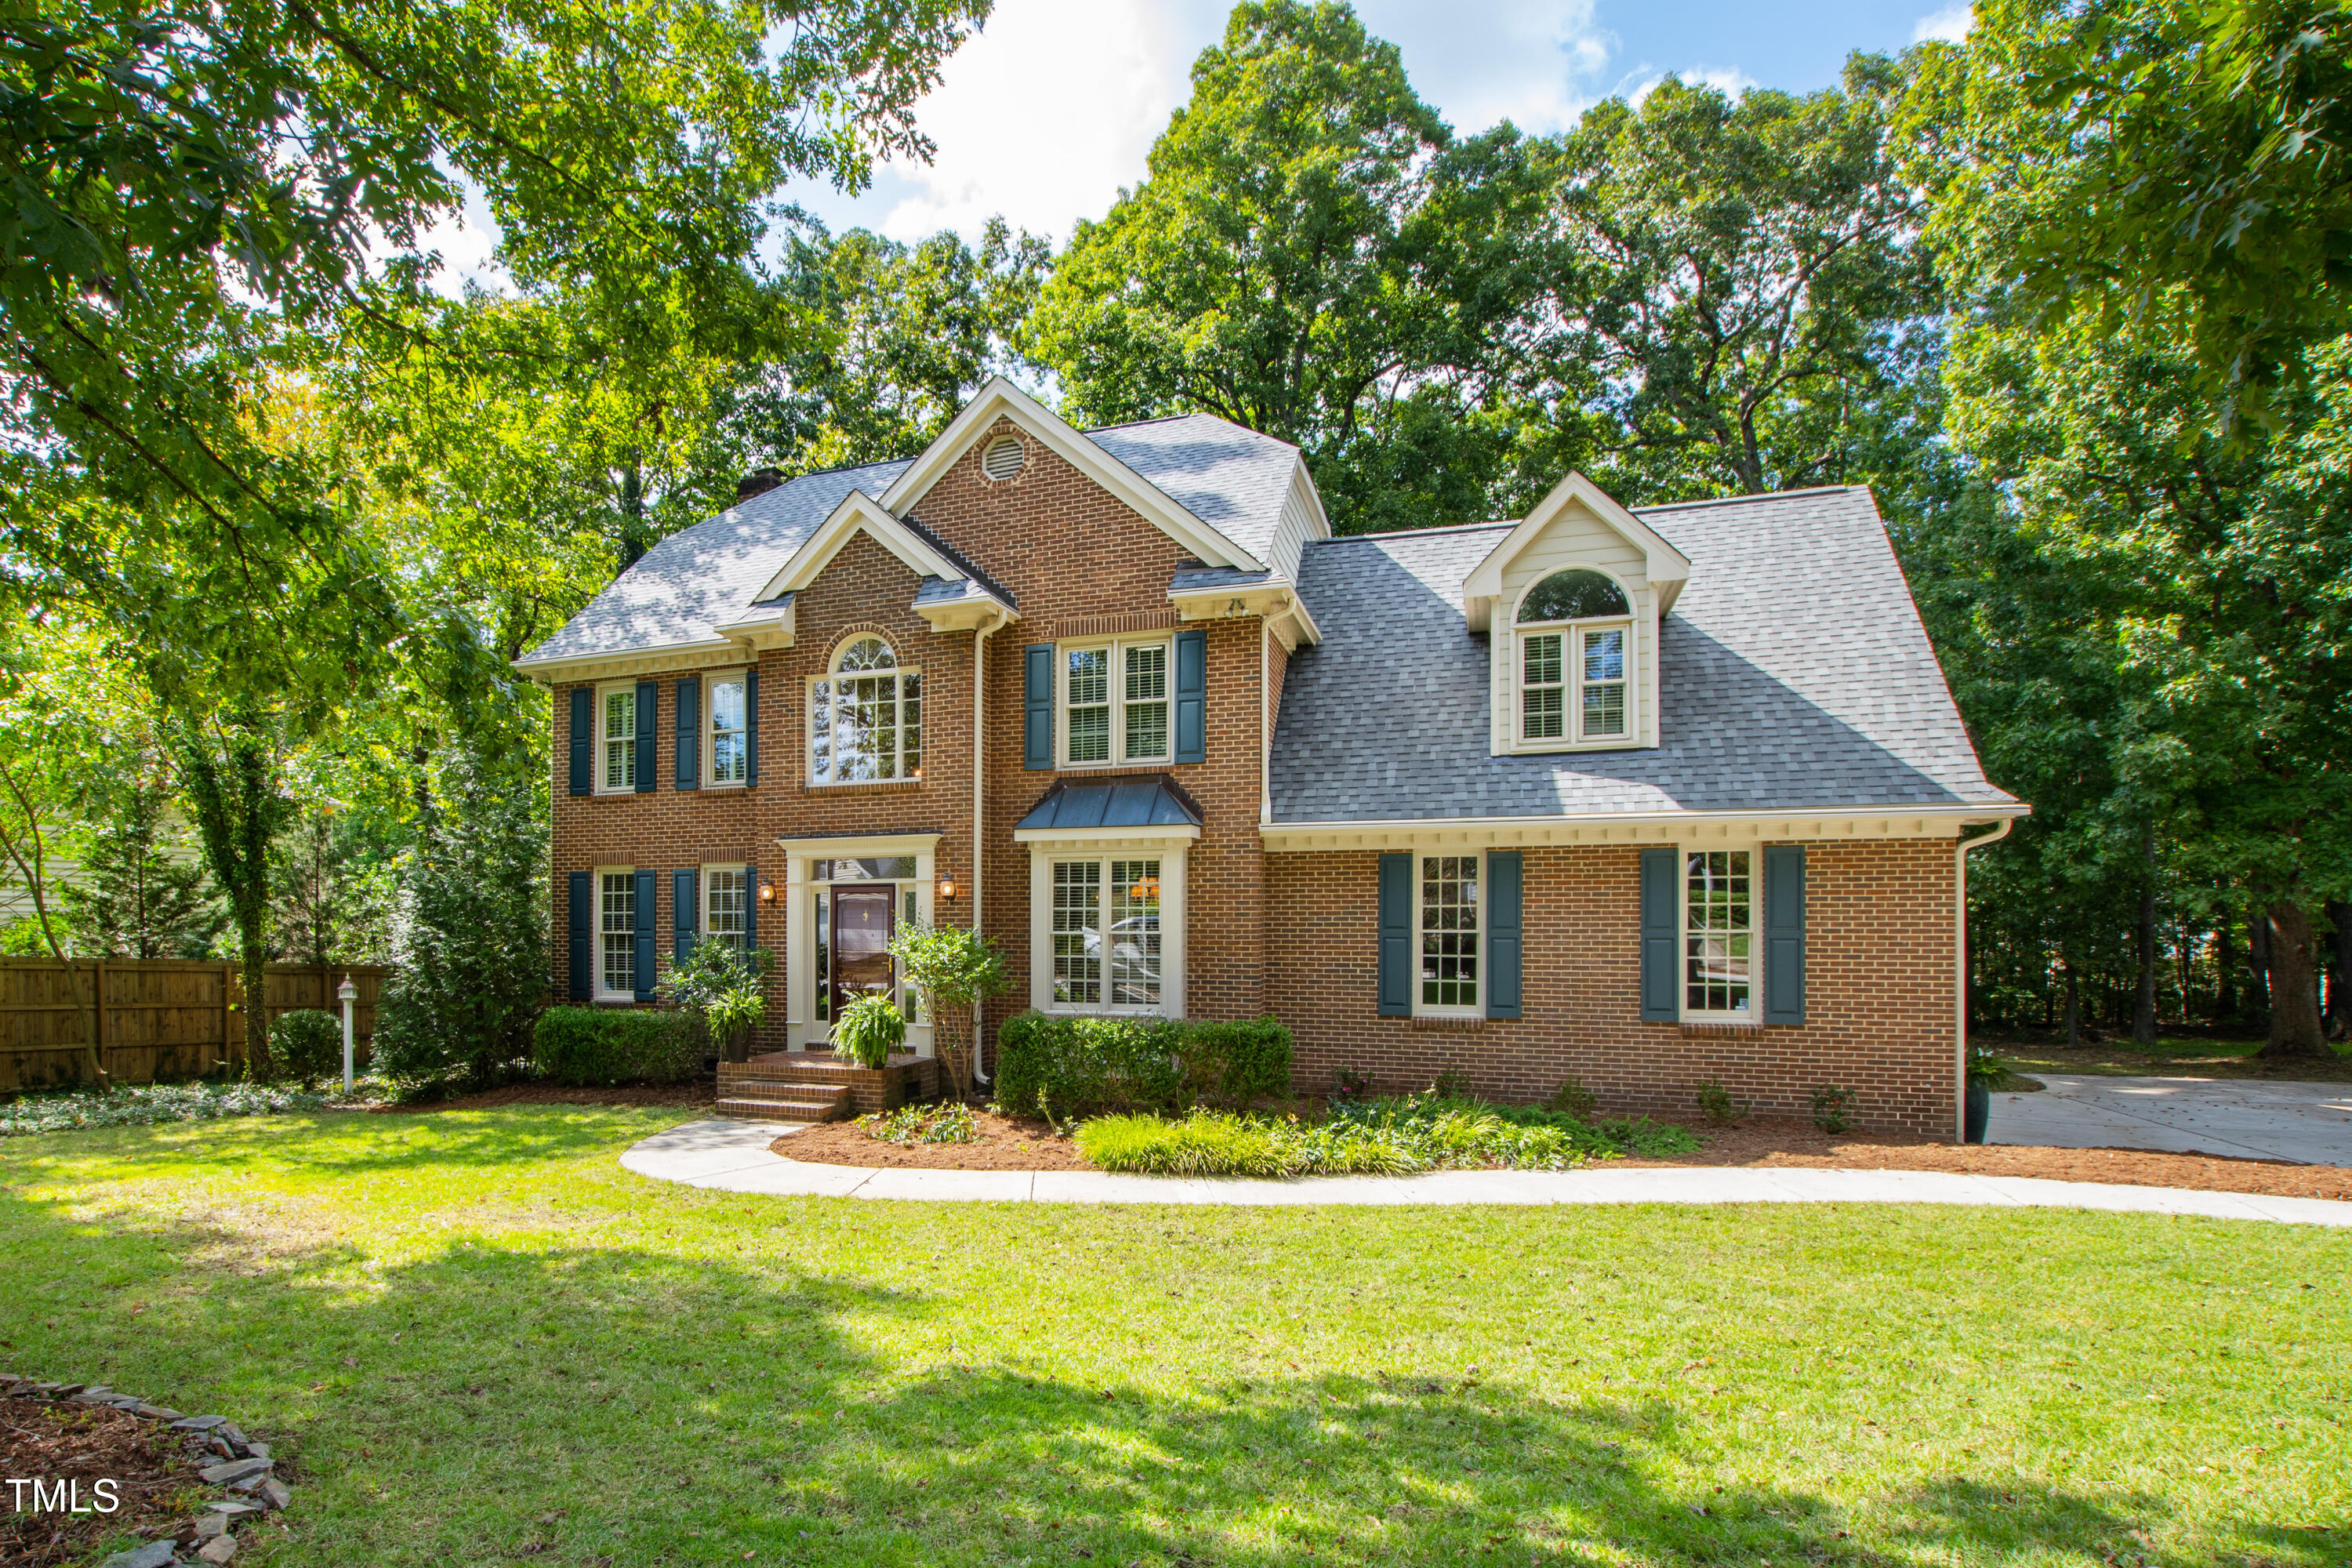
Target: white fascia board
x,y
1632,827
858,847
858,511
1275,601
627,661
1668,568
1077,837
983,611
766,629
1000,398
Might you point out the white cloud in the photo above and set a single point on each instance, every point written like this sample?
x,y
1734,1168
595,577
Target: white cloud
x,y
1951,24
1729,80
1532,62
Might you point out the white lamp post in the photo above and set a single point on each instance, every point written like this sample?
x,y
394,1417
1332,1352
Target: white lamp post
x,y
350,994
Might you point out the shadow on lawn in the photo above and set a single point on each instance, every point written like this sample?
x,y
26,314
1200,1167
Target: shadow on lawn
x,y
624,1406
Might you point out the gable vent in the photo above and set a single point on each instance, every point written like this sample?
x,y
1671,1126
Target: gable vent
x,y
1003,459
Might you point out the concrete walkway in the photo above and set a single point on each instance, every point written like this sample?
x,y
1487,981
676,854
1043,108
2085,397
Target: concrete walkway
x,y
733,1156
2309,1123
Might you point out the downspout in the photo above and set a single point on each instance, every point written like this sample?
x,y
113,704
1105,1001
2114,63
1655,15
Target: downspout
x,y
978,778
1961,971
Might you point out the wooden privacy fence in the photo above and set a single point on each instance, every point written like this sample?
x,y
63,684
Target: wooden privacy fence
x,y
158,1017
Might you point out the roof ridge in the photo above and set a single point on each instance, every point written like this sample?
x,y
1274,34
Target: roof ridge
x,y
1195,413
1409,533
1751,496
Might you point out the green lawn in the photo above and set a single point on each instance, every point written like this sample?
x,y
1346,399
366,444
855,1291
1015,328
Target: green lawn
x,y
478,1340
2176,1056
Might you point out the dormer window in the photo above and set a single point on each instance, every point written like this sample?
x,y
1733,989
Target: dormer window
x,y
1575,633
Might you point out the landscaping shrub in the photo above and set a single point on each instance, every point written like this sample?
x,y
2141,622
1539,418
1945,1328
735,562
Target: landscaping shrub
x,y
603,1046
148,1105
868,1030
1832,1108
307,1045
1205,1143
1573,1098
725,989
469,936
910,1124
1721,1109
1079,1067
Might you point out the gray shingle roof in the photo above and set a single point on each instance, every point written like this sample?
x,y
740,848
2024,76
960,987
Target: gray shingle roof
x,y
1235,480
681,588
1232,479
1794,674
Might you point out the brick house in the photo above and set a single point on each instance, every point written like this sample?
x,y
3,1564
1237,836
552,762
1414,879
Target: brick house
x,y
1650,798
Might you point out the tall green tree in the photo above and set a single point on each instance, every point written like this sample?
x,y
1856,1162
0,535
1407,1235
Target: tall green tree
x,y
141,891
1313,254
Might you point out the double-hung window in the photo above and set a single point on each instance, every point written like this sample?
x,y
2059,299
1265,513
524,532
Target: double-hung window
x,y
1116,702
1575,662
729,740
616,723
616,933
726,896
1718,932
865,718
1106,928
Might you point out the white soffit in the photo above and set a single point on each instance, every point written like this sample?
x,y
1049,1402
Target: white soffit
x,y
1668,568
1000,399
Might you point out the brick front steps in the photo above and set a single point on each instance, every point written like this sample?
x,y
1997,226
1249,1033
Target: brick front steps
x,y
809,1086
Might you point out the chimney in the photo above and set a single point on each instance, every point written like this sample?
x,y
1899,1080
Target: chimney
x,y
757,482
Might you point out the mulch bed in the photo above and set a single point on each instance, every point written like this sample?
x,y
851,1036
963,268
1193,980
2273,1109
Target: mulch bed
x,y
1007,1143
1024,1144
154,1470
702,1092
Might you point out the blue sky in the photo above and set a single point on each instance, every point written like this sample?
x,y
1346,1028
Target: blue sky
x,y
1047,113
1050,110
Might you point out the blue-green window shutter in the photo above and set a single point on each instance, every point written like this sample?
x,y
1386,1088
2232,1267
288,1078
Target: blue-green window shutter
x,y
644,935
583,942
751,725
1192,695
683,927
1502,903
1660,911
1784,933
584,741
648,713
1396,936
1037,705
689,732
751,907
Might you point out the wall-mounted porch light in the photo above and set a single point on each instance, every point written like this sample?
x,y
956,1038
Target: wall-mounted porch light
x,y
948,887
767,891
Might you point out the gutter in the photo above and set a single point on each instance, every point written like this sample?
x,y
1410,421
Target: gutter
x,y
979,634
1960,970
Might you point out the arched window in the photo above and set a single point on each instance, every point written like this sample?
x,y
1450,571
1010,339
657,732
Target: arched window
x,y
865,717
1575,660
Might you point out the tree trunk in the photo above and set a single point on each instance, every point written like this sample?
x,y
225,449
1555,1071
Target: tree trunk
x,y
2144,1003
2225,964
2258,958
2074,1007
2294,989
2339,970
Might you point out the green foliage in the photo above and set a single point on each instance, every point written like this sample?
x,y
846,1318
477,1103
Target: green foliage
x,y
911,1125
1832,1108
1071,1065
1381,1137
142,893
603,1046
307,1045
1987,1068
957,971
724,988
149,1105
1573,1098
869,1030
469,936
1721,1109
330,898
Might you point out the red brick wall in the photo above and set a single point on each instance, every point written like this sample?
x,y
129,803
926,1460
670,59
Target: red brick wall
x,y
1878,990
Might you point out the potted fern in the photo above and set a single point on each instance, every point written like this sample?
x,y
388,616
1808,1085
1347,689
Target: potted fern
x,y
868,1030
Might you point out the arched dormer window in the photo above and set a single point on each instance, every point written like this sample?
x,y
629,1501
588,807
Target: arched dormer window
x,y
865,717
1575,660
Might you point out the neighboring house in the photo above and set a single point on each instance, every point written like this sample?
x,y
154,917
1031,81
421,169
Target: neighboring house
x,y
1648,797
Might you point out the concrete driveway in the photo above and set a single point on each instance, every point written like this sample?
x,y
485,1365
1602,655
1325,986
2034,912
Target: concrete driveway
x,y
2310,1123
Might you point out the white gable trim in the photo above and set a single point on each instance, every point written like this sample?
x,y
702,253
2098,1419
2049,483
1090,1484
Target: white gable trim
x,y
1000,399
857,513
1669,568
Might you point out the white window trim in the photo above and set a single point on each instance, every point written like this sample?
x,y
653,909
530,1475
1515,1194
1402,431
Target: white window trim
x,y
1431,1009
1641,625
629,784
1117,681
1754,1017
601,994
833,674
702,912
711,680
797,907
1170,851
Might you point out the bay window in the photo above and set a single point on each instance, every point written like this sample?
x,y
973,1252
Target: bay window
x,y
1106,922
